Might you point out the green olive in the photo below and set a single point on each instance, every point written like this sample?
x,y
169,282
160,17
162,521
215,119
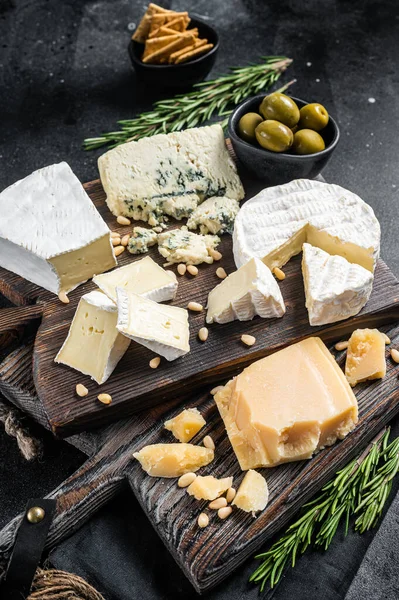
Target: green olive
x,y
280,107
313,116
307,141
274,136
247,125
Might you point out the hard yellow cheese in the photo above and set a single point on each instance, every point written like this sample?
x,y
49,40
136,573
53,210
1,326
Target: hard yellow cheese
x,y
209,487
173,460
287,406
365,358
186,424
253,494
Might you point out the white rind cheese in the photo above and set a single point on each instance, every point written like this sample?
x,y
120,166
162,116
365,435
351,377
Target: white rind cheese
x,y
50,231
182,246
250,291
161,328
143,277
141,240
215,215
168,174
275,224
334,288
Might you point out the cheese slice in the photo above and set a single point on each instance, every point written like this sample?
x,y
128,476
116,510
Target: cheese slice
x,y
287,406
143,277
50,231
173,460
168,174
274,225
93,345
253,494
208,487
215,215
182,246
365,357
250,291
186,424
335,289
161,328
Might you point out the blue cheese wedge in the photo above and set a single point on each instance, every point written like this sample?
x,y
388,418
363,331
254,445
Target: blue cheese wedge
x,y
161,328
144,277
182,246
141,240
168,174
215,215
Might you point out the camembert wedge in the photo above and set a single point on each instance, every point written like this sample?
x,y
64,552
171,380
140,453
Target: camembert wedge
x,y
365,356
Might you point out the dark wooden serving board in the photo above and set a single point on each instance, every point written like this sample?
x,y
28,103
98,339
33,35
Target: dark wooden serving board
x,y
134,386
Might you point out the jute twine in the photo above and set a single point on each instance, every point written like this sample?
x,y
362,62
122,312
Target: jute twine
x,y
29,446
58,585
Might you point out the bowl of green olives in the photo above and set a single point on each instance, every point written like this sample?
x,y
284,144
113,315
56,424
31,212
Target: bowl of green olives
x,y
278,138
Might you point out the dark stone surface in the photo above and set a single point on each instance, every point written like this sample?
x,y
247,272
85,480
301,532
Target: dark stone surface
x,y
65,75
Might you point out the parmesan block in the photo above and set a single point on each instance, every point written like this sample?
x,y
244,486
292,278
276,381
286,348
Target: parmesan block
x,y
253,494
209,487
365,357
186,424
173,460
287,406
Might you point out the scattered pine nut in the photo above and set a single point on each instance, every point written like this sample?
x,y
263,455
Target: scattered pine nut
x,y
216,389
224,512
208,442
203,520
154,362
395,355
114,234
279,273
230,495
195,306
341,346
123,220
118,250
203,334
218,503
63,297
216,255
192,269
221,273
386,338
248,340
116,241
105,398
125,240
181,268
186,480
81,390
157,229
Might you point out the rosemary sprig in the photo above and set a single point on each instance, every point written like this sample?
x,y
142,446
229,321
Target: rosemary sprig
x,y
209,98
361,488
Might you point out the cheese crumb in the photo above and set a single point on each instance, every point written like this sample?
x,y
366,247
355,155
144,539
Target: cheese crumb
x,y
253,493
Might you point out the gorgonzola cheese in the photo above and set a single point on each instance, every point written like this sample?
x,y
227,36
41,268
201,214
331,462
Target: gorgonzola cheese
x,y
182,246
141,240
215,215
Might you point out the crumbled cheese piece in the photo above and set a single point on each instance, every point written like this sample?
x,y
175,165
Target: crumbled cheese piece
x,y
179,246
208,487
141,240
186,424
215,215
365,358
253,494
173,460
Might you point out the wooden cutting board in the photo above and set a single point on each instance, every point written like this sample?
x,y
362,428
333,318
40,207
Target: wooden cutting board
x,y
134,386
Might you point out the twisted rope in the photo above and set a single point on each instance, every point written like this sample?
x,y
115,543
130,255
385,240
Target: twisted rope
x,y
29,446
58,585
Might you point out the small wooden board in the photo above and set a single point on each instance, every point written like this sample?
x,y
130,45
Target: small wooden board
x,y
134,386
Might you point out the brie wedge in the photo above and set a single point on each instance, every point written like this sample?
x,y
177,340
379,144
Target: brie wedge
x,y
50,231
250,291
215,215
334,288
182,246
93,345
275,224
161,328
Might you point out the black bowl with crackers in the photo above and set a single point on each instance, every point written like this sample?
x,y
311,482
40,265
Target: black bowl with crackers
x,y
171,50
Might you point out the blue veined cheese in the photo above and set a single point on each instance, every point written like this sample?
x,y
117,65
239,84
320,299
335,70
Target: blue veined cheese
x,y
182,246
168,174
141,240
215,215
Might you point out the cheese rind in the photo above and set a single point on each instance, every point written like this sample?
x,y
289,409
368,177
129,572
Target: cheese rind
x,y
173,460
144,277
287,406
249,291
253,494
186,424
208,487
93,345
161,328
365,356
215,215
274,225
65,240
335,289
182,246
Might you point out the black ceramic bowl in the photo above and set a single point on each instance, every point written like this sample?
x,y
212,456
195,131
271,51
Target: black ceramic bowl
x,y
279,167
177,76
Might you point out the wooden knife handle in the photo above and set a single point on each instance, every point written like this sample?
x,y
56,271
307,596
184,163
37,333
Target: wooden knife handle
x,y
13,321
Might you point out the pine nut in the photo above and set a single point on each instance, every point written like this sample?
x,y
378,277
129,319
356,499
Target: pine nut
x,y
279,273
203,334
208,442
221,273
195,306
63,297
114,234
125,240
248,340
192,269
216,389
116,241
203,520
157,229
105,398
231,494
395,355
341,346
218,503
181,269
224,512
118,250
216,255
81,390
154,362
186,480
123,220
386,338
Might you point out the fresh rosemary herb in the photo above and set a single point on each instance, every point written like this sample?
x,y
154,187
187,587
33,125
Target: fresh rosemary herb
x,y
360,489
209,98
